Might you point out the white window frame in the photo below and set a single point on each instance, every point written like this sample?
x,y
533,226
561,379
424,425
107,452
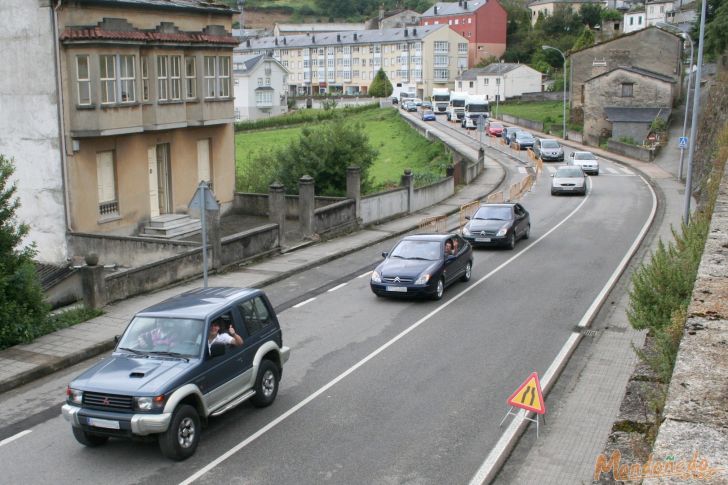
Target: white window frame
x,y
83,83
127,78
144,61
175,78
210,77
162,78
107,77
190,78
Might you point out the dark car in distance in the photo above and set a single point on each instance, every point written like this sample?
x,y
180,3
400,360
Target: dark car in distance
x,y
179,362
423,265
498,225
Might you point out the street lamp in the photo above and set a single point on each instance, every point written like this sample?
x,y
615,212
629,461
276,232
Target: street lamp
x,y
546,47
497,87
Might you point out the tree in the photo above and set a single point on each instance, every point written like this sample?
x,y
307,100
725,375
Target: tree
x,y
21,297
591,14
586,39
381,87
716,31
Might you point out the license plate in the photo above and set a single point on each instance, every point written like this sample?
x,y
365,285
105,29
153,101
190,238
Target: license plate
x,y
103,423
482,239
400,289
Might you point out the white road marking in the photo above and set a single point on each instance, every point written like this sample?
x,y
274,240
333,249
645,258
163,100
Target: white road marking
x,y
627,171
499,454
522,170
365,274
551,169
610,170
14,437
337,287
299,305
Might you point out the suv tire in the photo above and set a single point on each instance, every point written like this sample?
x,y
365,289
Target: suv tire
x,y
89,439
180,440
266,384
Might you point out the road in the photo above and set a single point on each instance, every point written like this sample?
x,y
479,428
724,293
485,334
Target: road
x,y
376,390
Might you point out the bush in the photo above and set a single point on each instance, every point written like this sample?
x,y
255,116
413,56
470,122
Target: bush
x,y
381,87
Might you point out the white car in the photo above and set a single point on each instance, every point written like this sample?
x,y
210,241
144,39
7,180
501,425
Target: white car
x,y
568,179
586,160
468,123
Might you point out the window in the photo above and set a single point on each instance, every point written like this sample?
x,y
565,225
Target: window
x,y
162,86
127,79
485,81
145,78
471,84
462,47
442,46
267,81
264,98
627,90
107,75
83,80
224,76
106,183
256,316
210,77
190,78
175,77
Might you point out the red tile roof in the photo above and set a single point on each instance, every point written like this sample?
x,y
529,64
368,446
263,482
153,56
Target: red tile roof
x,y
97,33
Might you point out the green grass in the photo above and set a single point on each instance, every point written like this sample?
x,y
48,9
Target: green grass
x,y
544,111
399,147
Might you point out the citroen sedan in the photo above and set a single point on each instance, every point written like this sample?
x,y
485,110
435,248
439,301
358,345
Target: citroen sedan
x,y
498,225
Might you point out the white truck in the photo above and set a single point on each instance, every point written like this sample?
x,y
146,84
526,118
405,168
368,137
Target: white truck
x,y
456,107
475,106
440,99
403,91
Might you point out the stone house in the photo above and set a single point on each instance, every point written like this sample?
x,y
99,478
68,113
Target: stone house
x,y
623,102
651,49
261,87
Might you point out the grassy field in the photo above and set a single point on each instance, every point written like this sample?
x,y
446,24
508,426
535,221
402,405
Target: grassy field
x,y
544,111
399,147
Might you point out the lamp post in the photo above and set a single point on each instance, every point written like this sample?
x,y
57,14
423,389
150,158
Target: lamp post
x,y
497,87
546,47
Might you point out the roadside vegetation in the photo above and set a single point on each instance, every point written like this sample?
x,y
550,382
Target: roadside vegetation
x,y
396,147
547,112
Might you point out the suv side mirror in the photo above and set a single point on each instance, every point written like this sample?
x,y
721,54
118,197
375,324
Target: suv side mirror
x,y
217,349
385,254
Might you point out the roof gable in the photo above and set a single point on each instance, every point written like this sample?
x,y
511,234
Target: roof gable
x,y
636,70
452,8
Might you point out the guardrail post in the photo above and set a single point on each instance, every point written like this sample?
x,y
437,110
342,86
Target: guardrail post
x,y
93,286
306,206
353,187
277,208
407,181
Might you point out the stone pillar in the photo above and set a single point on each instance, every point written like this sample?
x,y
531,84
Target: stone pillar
x,y
93,286
306,206
277,208
353,187
214,237
407,181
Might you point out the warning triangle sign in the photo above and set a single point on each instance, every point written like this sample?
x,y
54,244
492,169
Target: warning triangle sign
x,y
528,396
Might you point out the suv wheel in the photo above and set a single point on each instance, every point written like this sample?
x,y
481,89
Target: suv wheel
x,y
180,440
88,439
266,385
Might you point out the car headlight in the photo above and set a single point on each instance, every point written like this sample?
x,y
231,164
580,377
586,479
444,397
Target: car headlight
x,y
74,396
502,231
422,280
466,231
148,403
376,277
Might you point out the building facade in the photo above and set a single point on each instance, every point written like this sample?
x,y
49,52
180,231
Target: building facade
x,y
482,22
500,80
427,57
651,49
261,87
546,8
634,21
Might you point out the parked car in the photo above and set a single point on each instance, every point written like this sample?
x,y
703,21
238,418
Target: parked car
x,y
498,225
411,106
428,115
507,130
426,105
548,150
417,101
523,140
586,160
569,179
165,377
493,128
420,266
468,123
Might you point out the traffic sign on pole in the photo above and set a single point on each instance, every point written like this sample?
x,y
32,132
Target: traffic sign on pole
x,y
683,142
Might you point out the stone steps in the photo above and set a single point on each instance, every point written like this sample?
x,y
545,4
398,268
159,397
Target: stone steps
x,y
170,226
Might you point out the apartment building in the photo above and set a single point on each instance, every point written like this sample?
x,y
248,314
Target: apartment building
x,y
346,62
481,22
147,108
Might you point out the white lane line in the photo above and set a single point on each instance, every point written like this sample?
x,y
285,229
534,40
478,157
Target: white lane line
x,y
610,170
522,170
337,287
627,171
365,274
500,452
214,463
299,305
14,437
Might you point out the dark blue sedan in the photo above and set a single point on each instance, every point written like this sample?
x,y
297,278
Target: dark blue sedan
x,y
423,265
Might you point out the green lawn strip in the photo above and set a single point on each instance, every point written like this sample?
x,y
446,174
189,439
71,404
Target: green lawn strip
x,y
399,147
544,111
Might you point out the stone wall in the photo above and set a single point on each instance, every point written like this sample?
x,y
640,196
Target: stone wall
x,y
128,251
632,151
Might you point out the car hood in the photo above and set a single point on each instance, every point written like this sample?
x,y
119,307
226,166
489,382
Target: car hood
x,y
123,374
477,225
409,268
551,151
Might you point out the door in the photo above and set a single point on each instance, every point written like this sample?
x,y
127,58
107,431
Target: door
x,y
153,189
204,171
164,178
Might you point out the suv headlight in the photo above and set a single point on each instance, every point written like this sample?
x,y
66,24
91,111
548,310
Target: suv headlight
x,y
74,396
148,403
502,231
376,277
422,280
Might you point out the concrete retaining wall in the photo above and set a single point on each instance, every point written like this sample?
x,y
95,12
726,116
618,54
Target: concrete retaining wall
x,y
383,205
127,251
335,218
638,153
530,124
433,193
257,204
541,96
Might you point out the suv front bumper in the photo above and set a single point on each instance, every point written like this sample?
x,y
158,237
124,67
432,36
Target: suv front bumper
x,y
136,424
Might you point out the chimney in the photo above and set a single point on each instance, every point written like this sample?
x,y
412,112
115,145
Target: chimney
x,y
414,32
355,36
284,41
406,32
465,5
313,39
247,43
276,40
435,9
338,37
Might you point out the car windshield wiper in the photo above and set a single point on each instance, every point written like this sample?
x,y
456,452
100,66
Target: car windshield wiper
x,y
133,351
418,257
169,354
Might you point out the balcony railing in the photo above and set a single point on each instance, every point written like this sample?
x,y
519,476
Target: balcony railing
x,y
109,209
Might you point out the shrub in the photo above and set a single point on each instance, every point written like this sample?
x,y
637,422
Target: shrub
x,y
381,87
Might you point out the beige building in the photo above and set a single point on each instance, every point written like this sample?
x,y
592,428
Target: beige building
x,y
147,109
346,62
546,8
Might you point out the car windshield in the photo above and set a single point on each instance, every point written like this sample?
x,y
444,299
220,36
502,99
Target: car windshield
x,y
568,173
495,213
584,156
414,249
549,144
164,336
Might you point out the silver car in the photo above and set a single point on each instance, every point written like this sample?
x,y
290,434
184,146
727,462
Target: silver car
x,y
548,150
586,160
569,179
